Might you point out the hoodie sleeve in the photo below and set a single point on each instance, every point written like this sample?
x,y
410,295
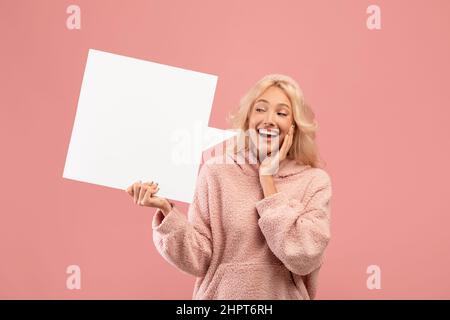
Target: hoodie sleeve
x,y
185,242
297,231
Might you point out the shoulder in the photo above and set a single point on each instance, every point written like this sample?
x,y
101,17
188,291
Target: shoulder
x,y
321,175
318,185
319,178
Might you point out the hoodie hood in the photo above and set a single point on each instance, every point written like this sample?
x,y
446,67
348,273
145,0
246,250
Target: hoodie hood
x,y
288,167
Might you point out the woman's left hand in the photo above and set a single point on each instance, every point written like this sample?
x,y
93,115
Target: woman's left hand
x,y
269,166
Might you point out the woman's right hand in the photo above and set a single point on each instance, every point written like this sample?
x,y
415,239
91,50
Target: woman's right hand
x,y
144,195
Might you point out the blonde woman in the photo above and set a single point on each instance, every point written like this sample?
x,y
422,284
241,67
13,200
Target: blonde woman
x,y
256,229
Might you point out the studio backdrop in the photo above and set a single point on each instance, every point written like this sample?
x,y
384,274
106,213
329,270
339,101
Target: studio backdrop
x,y
375,73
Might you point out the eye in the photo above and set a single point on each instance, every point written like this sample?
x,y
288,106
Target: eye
x,y
282,114
259,109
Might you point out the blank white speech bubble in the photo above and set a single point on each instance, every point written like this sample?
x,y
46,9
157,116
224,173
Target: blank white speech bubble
x,y
131,114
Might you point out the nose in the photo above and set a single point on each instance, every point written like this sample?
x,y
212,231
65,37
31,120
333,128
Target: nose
x,y
268,119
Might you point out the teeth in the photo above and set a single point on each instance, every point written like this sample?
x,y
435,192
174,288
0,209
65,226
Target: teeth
x,y
271,133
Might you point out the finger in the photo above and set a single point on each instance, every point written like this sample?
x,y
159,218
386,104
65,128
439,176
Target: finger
x,y
149,184
129,190
141,193
148,194
136,188
134,191
289,137
286,144
154,186
289,144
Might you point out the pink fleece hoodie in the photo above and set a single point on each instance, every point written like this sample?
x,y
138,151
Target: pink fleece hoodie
x,y
241,245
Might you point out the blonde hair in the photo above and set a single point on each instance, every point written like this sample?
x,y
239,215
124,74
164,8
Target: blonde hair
x,y
303,148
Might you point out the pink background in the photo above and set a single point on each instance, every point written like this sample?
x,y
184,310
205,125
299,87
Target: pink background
x,y
381,97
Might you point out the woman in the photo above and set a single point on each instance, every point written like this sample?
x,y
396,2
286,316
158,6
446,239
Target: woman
x,y
255,229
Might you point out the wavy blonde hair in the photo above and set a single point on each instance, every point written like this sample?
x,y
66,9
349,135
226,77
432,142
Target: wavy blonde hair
x,y
303,148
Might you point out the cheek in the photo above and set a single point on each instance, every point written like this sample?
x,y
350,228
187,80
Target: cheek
x,y
251,123
255,118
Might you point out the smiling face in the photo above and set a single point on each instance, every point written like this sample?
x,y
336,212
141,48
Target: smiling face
x,y
269,120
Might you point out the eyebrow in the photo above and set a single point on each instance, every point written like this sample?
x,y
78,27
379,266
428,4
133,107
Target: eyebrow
x,y
280,104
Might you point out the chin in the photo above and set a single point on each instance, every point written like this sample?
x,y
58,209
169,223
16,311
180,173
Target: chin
x,y
268,151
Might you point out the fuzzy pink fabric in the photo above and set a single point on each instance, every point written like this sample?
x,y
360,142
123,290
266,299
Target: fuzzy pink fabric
x,y
241,245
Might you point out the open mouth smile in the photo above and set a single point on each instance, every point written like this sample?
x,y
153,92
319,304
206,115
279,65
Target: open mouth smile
x,y
268,133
